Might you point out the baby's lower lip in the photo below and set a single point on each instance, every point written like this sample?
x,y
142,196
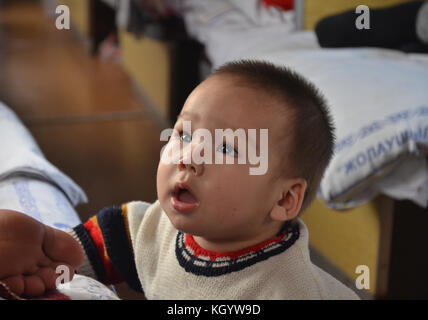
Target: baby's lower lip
x,y
182,206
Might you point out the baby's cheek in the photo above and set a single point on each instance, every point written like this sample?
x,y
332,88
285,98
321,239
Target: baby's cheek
x,y
162,180
229,192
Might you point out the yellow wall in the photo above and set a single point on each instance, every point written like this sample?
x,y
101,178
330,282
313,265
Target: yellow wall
x,y
347,239
318,9
147,62
79,15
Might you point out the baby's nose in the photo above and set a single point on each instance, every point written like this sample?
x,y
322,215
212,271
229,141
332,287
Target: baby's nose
x,y
187,161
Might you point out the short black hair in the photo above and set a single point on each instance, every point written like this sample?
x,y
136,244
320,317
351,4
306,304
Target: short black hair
x,y
308,117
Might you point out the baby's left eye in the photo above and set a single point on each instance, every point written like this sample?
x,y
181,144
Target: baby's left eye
x,y
227,149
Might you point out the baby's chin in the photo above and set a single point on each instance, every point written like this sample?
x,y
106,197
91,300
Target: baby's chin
x,y
181,221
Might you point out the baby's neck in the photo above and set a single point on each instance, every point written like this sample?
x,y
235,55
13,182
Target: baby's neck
x,y
231,246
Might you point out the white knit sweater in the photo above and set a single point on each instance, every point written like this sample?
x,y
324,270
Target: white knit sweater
x,y
162,260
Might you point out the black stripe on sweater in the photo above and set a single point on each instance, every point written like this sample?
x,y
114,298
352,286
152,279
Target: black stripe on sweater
x,y
91,252
202,267
112,225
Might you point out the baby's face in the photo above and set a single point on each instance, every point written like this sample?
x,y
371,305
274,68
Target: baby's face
x,y
222,201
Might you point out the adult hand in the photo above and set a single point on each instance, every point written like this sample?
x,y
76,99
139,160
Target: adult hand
x,y
30,252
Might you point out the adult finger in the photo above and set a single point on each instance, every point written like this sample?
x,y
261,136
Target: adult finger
x,y
15,284
33,286
48,277
62,247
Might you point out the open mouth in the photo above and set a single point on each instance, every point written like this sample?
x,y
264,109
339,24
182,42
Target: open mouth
x,y
183,199
186,196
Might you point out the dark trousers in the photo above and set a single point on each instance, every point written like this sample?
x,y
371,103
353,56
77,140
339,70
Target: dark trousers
x,y
392,27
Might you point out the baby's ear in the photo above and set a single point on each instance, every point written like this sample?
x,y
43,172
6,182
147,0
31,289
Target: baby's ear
x,y
291,200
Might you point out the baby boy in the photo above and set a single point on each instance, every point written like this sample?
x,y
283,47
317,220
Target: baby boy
x,y
216,231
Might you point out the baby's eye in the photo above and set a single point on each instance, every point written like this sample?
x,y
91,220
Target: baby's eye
x,y
227,149
184,136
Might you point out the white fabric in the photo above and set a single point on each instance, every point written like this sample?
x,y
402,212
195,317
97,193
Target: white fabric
x,y
229,29
31,184
85,288
288,275
40,200
21,156
375,95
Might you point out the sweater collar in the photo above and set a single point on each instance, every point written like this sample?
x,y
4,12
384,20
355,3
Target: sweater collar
x,y
199,261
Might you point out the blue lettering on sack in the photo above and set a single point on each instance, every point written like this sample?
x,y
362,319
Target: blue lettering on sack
x,y
361,159
377,125
381,149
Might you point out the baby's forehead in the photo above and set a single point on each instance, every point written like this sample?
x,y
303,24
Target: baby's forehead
x,y
232,101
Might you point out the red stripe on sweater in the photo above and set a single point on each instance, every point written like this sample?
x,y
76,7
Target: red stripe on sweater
x,y
213,255
112,275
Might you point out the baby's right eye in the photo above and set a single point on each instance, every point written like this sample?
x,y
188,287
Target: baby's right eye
x,y
184,136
